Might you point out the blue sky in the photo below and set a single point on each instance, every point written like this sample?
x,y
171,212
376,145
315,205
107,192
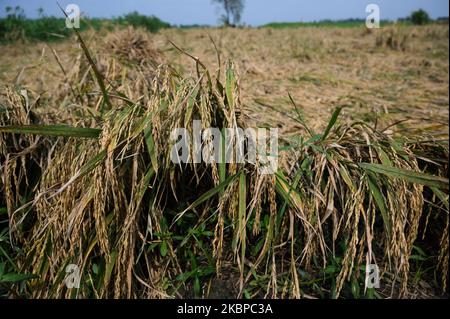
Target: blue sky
x,y
256,12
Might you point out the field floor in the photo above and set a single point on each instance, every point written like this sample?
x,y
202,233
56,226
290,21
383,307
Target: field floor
x,y
386,75
368,185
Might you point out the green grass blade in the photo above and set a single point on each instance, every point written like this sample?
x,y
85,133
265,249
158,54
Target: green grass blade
x,y
380,201
292,187
230,86
52,130
97,73
330,125
190,106
4,253
383,156
284,189
15,278
242,214
110,267
300,118
210,193
442,196
407,175
223,163
89,166
151,146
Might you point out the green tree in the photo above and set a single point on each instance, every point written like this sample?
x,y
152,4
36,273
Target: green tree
x,y
232,11
420,17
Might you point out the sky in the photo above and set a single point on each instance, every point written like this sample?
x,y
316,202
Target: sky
x,y
256,12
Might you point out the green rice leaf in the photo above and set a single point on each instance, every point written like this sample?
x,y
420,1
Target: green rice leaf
x,y
223,163
304,166
163,249
52,130
209,194
151,146
300,118
89,166
14,278
380,201
97,73
230,85
190,106
407,175
383,156
330,125
242,213
346,177
442,196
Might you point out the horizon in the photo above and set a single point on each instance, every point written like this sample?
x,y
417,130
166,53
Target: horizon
x,y
256,12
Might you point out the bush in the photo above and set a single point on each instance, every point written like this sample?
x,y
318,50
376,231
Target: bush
x,y
151,23
420,17
16,26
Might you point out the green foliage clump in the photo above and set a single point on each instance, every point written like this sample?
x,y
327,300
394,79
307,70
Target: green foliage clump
x,y
151,23
16,26
420,17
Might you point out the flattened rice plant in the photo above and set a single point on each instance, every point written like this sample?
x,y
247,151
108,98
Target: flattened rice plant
x,y
93,184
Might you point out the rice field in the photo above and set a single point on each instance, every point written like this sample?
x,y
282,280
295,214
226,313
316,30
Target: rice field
x,y
87,177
